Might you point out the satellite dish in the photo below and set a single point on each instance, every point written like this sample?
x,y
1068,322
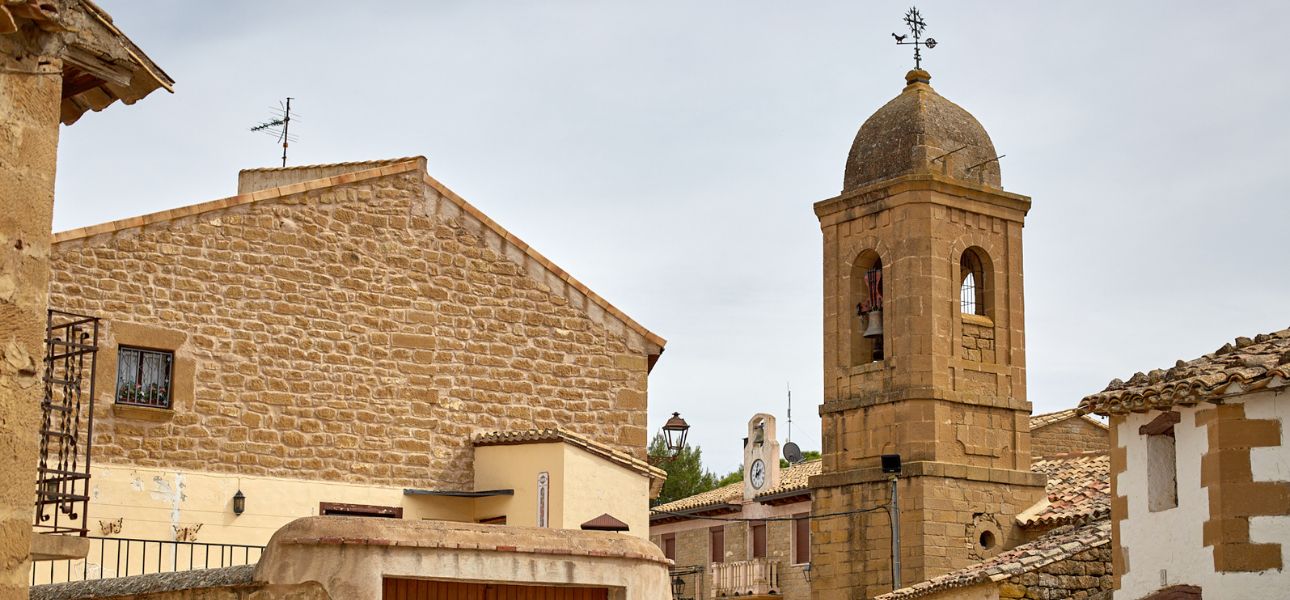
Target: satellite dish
x,y
792,453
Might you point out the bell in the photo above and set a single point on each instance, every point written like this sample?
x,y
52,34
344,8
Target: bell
x,y
875,324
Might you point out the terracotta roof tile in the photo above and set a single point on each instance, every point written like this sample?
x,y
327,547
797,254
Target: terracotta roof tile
x,y
795,477
1051,418
1054,546
1243,365
1079,490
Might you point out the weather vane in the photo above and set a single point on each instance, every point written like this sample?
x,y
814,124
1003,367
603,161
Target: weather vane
x,y
916,24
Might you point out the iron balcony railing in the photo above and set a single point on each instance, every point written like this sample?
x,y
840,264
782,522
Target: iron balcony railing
x,y
756,577
123,557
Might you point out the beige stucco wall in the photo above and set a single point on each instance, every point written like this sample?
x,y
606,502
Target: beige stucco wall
x,y
357,333
1167,547
310,550
582,486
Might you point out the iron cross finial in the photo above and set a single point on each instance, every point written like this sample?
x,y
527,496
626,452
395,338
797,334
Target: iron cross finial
x,y
916,25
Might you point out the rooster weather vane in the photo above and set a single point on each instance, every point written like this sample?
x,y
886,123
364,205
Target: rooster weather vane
x,y
916,25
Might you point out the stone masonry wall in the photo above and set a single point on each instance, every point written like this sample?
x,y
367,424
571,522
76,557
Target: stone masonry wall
x,y
1065,437
358,333
1084,576
30,86
978,342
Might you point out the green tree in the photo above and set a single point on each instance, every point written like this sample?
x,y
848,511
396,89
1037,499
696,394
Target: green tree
x,y
734,476
685,474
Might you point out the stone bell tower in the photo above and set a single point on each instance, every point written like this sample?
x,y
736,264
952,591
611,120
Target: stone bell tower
x,y
924,352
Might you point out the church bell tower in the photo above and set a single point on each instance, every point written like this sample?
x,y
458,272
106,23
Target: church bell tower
x,y
924,352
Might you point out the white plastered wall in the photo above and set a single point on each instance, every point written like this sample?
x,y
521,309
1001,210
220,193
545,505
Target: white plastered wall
x,y
1167,548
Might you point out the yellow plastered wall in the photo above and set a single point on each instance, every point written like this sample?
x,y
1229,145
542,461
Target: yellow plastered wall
x,y
582,486
152,502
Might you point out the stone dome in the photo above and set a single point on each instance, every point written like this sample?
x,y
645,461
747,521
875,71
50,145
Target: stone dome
x,y
911,134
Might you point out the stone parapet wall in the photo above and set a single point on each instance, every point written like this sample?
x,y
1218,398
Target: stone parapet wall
x,y
1071,436
357,332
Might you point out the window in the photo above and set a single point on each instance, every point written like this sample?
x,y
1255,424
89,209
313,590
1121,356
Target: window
x,y
757,531
972,286
143,377
360,510
866,299
1162,462
801,539
717,544
669,546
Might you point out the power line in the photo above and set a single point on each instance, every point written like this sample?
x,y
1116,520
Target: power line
x,y
747,520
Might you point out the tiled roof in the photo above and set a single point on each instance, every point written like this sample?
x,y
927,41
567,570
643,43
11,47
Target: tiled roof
x,y
795,477
1054,546
1079,490
1047,419
543,436
1240,366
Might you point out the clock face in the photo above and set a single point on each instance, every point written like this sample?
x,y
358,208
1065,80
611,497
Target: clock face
x,y
757,474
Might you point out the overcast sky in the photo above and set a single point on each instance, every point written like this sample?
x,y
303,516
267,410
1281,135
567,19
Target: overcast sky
x,y
667,154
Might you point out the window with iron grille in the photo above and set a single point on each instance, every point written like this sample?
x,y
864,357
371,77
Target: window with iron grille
x,y
143,377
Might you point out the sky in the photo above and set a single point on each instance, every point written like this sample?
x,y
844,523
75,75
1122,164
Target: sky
x,y
668,153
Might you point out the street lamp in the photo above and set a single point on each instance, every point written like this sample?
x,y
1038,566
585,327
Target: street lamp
x,y
678,586
674,432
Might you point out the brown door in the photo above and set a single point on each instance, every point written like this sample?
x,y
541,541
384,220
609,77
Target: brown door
x,y
426,589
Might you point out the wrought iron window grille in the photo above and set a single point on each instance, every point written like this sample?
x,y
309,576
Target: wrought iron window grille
x,y
67,423
143,377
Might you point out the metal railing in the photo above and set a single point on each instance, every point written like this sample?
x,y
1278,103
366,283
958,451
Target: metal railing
x,y
123,557
756,577
66,423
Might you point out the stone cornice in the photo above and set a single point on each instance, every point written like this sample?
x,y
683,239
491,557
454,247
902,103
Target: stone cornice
x,y
888,193
927,468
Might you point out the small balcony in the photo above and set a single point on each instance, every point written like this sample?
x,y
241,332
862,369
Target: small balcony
x,y
754,578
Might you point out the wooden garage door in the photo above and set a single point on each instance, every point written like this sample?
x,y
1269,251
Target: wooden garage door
x,y
425,589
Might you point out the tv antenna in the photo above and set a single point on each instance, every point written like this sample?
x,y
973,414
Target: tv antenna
x,y
789,387
279,127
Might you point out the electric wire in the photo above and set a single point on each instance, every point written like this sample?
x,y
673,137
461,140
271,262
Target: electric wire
x,y
763,520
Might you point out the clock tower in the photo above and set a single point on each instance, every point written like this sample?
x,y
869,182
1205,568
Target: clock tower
x,y
924,353
761,456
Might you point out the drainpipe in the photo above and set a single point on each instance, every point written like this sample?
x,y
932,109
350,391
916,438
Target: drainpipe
x,y
894,512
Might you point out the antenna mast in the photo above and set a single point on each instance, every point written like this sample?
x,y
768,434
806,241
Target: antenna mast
x,y
284,135
789,387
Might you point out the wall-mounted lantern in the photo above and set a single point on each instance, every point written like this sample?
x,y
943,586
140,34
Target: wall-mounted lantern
x,y
674,432
678,587
239,503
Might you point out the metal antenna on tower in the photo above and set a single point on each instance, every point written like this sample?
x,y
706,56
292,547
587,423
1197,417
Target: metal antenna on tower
x,y
789,387
279,127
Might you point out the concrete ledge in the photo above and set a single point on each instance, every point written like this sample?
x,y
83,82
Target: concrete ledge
x,y
46,546
130,587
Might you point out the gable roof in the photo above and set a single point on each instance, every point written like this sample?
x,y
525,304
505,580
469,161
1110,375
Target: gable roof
x,y
1241,366
1054,546
794,478
1052,418
547,436
1079,490
361,171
